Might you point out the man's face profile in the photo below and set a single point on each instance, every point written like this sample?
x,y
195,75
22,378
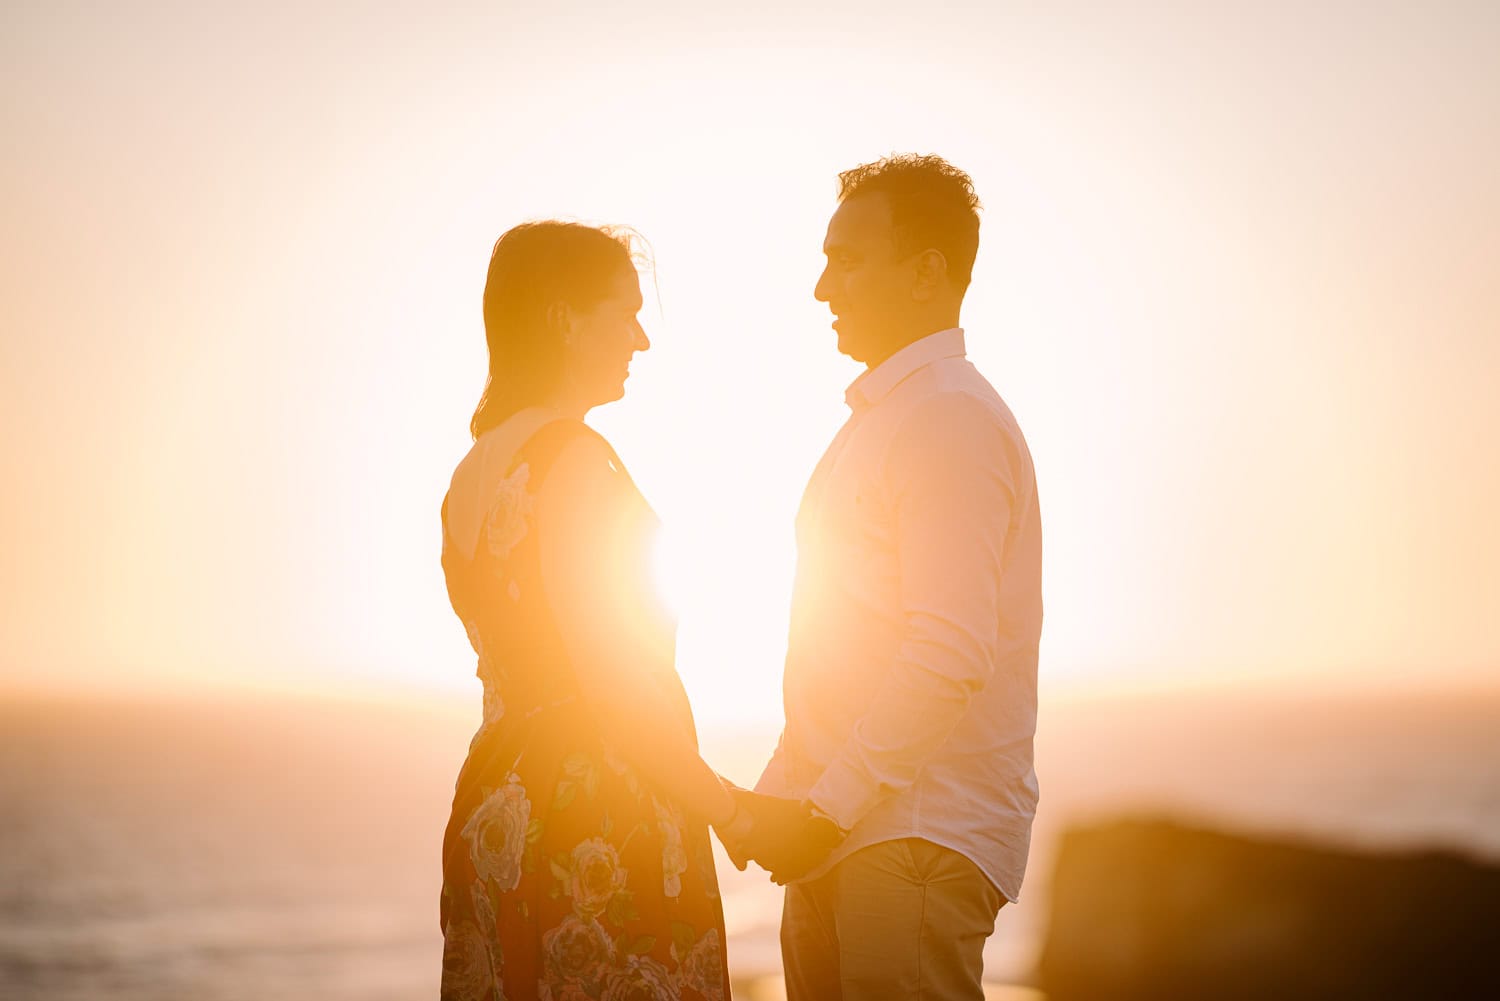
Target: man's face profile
x,y
866,286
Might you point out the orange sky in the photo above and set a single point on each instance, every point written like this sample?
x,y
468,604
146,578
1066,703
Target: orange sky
x,y
1239,279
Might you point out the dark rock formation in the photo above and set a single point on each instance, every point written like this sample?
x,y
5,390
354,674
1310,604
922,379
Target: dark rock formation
x,y
1153,910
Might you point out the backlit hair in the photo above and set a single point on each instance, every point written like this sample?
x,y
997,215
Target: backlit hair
x,y
933,207
534,267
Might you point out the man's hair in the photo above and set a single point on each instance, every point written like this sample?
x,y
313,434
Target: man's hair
x,y
933,206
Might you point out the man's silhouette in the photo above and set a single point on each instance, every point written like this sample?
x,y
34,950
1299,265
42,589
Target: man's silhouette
x,y
911,670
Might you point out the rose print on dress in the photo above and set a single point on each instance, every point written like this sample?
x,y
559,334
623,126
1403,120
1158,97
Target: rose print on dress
x,y
577,954
494,706
641,978
496,832
484,919
674,860
702,969
510,513
594,877
466,965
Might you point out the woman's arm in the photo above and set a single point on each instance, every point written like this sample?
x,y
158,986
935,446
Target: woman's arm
x,y
593,533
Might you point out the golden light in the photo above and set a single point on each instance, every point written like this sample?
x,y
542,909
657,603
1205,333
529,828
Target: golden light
x,y
669,570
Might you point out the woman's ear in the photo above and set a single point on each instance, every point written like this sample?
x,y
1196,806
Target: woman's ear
x,y
560,322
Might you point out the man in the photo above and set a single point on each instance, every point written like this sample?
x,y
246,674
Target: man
x,y
904,774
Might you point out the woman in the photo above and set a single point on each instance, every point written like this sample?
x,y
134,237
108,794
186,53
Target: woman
x,y
576,863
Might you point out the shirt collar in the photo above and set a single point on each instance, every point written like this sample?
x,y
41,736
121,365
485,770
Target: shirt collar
x,y
877,383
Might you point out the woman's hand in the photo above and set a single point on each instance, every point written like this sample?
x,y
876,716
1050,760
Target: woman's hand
x,y
734,825
784,836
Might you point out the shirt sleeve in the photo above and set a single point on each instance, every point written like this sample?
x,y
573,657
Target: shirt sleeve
x,y
773,780
950,481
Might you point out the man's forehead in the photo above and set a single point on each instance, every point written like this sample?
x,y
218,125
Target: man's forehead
x,y
861,219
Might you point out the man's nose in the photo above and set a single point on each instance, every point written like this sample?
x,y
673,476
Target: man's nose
x,y
642,342
820,292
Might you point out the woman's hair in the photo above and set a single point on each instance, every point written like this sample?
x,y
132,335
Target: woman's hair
x,y
536,266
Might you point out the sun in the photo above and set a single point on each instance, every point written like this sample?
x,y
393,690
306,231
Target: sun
x,y
731,596
670,570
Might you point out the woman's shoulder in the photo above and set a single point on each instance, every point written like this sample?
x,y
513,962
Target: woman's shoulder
x,y
574,457
532,437
561,436
569,448
550,447
517,454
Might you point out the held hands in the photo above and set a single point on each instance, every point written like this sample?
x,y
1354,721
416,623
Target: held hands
x,y
786,837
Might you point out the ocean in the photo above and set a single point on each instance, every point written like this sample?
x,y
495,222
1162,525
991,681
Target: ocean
x,y
222,849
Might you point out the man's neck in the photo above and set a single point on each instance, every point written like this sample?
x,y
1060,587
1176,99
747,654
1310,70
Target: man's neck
x,y
885,352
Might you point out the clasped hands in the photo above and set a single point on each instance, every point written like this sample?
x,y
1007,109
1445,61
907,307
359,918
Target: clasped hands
x,y
785,837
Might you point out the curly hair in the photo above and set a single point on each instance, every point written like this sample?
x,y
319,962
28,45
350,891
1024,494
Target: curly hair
x,y
933,206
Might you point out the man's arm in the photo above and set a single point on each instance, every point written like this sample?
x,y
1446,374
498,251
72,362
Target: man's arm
x,y
951,481
773,779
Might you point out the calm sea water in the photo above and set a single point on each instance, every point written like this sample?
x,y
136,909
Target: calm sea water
x,y
225,850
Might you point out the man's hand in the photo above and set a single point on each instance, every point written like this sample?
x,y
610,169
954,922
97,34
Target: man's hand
x,y
786,838
816,840
759,825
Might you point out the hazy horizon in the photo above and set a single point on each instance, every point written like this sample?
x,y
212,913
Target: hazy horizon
x,y
332,818
463,704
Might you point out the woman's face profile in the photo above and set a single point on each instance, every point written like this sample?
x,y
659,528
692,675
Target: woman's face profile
x,y
603,339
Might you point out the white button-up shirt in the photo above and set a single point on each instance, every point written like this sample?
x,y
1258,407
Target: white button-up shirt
x,y
911,669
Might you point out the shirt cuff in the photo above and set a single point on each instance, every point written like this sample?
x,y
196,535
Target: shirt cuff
x,y
845,794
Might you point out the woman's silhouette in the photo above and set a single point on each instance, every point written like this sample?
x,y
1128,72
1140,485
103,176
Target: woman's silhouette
x,y
576,862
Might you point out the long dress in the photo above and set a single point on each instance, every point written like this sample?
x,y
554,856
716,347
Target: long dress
x,y
566,876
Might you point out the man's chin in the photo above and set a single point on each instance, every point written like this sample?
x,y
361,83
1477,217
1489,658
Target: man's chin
x,y
608,394
854,347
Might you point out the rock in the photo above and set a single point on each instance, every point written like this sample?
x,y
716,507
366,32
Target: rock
x,y
1148,909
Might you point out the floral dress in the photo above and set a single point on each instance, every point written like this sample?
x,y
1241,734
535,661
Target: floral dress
x,y
565,875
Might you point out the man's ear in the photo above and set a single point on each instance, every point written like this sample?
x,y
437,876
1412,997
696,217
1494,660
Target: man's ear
x,y
560,321
932,273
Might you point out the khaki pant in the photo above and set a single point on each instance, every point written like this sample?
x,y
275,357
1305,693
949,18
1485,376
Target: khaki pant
x,y
903,919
